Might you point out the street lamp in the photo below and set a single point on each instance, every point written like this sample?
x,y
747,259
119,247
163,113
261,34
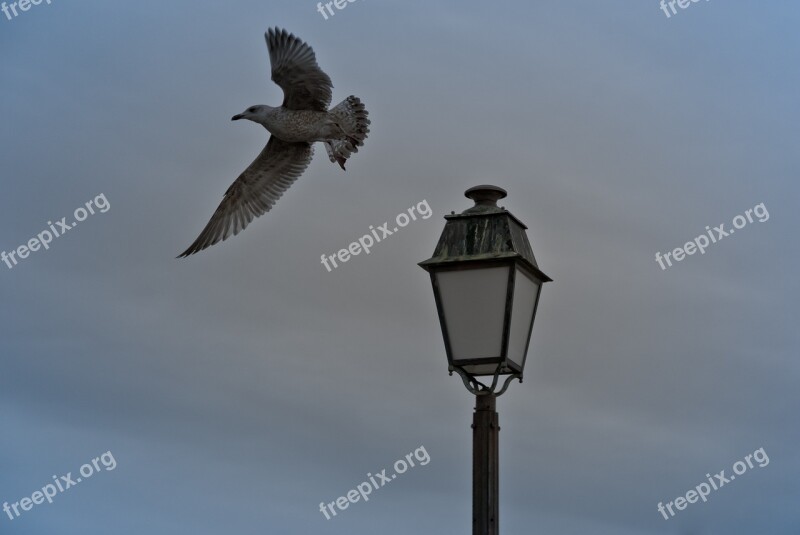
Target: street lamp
x,y
486,283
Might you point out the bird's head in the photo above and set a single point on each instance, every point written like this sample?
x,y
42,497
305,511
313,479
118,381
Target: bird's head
x,y
257,114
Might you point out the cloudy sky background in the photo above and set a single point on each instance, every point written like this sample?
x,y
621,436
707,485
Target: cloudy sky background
x,y
239,388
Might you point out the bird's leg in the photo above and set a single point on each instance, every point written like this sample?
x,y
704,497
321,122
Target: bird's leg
x,y
333,156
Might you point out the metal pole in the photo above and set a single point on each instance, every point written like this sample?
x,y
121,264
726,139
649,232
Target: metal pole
x,y
485,467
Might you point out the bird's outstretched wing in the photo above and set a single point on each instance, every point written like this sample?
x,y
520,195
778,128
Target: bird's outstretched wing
x,y
294,68
255,191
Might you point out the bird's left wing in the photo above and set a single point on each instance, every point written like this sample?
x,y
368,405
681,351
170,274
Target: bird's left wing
x,y
255,191
294,68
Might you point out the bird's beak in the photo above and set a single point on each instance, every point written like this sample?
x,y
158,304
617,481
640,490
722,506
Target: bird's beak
x,y
237,117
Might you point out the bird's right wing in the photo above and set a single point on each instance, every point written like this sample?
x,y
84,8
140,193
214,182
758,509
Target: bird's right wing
x,y
255,191
294,68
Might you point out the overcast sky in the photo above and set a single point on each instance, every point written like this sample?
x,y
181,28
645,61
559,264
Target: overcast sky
x,y
239,388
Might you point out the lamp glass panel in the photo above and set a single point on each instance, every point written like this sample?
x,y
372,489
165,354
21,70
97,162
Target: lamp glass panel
x,y
473,302
525,292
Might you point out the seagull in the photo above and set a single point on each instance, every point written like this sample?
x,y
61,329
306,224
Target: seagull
x,y
302,120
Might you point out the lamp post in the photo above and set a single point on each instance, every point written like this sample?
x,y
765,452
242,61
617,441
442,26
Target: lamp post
x,y
486,283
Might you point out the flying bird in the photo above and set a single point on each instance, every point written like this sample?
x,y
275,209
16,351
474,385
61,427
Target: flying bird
x,y
302,120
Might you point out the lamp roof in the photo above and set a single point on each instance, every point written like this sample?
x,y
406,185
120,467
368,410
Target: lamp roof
x,y
484,231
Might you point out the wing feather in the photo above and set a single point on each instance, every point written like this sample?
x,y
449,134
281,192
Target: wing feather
x,y
255,191
294,68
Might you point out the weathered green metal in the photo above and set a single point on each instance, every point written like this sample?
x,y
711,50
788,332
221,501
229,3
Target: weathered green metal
x,y
483,232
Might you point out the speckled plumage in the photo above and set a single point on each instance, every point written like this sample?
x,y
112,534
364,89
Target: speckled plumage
x,y
300,121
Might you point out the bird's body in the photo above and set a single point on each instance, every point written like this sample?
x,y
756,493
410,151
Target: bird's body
x,y
302,119
301,125
294,126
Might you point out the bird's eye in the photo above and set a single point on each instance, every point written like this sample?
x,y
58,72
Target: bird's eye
x,y
251,110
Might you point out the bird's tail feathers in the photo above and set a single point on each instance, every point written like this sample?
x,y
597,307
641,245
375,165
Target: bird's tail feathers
x,y
352,116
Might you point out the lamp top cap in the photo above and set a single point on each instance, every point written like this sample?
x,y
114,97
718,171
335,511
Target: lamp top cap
x,y
485,195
